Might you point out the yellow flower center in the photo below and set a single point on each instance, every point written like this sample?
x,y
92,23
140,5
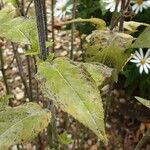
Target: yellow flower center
x,y
143,61
139,2
62,7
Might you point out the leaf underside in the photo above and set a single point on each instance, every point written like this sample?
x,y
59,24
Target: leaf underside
x,y
108,48
143,41
22,124
143,101
74,91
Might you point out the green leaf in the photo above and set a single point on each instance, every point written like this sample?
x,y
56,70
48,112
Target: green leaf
x,y
22,124
6,14
143,41
18,30
143,101
64,139
100,24
100,73
4,101
108,48
13,2
133,25
74,91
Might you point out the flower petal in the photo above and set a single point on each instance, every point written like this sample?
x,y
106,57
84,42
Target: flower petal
x,y
141,53
134,7
138,65
112,9
145,69
148,65
147,54
138,54
135,57
135,60
141,69
109,6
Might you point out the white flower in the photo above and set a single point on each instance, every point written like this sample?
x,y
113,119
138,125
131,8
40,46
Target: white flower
x,y
139,5
61,10
142,61
111,4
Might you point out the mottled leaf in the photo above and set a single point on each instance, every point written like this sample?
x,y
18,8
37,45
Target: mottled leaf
x,y
143,41
100,24
108,48
18,30
133,25
145,102
6,14
100,73
22,124
74,91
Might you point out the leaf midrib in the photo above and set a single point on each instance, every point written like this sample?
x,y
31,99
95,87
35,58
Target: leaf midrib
x,y
76,94
19,122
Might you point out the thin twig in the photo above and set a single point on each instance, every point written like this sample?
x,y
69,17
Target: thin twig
x,y
24,13
53,30
3,70
122,17
21,72
144,139
28,58
28,7
114,19
36,86
73,28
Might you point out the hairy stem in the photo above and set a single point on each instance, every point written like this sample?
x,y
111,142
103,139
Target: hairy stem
x,y
40,19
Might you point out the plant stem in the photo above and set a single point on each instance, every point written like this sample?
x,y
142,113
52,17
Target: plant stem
x,y
37,88
122,17
53,31
28,58
73,28
3,70
27,9
145,138
40,19
19,63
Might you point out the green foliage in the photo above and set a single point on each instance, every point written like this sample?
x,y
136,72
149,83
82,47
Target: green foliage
x,y
100,24
64,139
88,9
13,2
108,48
19,29
133,25
22,124
143,41
4,101
100,73
73,90
6,14
143,101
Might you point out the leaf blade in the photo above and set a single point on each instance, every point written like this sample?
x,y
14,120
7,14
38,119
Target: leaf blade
x,y
21,124
74,92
